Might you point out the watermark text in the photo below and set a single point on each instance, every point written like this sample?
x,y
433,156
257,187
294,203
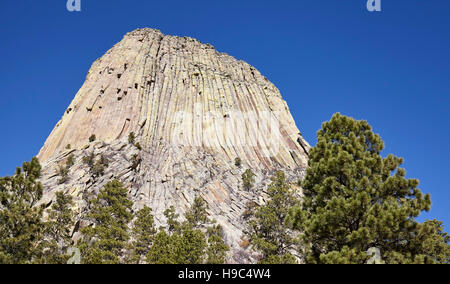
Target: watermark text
x,y
73,5
374,5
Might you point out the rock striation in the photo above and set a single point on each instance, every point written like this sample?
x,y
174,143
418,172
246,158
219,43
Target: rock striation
x,y
193,111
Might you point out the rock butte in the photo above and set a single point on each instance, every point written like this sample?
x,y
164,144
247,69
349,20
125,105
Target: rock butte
x,y
193,111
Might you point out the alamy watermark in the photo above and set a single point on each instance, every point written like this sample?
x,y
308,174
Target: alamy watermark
x,y
75,255
375,256
73,5
374,5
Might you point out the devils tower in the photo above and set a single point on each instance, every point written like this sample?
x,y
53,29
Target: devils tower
x,y
194,112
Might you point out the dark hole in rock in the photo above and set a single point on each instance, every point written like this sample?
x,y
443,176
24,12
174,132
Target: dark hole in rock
x,y
119,98
125,93
69,110
119,90
76,228
136,86
119,75
88,109
48,204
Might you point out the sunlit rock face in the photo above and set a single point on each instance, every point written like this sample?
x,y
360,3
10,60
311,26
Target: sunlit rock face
x,y
193,111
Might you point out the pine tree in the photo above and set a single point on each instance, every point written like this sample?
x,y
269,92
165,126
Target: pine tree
x,y
96,168
183,244
20,218
57,231
197,219
70,161
267,230
217,249
355,200
163,249
105,242
248,179
190,246
197,215
63,173
143,234
89,160
172,220
132,138
187,243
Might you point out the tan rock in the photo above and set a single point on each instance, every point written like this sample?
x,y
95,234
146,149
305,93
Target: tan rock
x,y
193,110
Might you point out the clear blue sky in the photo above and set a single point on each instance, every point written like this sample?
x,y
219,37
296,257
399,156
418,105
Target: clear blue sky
x,y
391,68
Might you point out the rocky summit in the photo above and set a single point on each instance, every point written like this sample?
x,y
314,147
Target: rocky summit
x,y
200,119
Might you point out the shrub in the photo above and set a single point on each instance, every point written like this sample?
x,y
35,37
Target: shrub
x,y
248,179
104,161
138,146
238,162
131,138
135,161
98,169
89,160
70,161
63,172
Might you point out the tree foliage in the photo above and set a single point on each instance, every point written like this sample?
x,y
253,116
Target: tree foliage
x,y
27,238
57,233
267,230
187,242
132,138
248,179
96,168
197,215
217,249
24,235
238,162
20,220
110,212
355,200
143,233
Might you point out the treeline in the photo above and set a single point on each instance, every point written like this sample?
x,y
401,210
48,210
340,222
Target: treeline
x,y
355,207
31,234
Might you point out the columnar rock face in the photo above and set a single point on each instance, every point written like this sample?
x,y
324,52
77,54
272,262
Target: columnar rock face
x,y
193,111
